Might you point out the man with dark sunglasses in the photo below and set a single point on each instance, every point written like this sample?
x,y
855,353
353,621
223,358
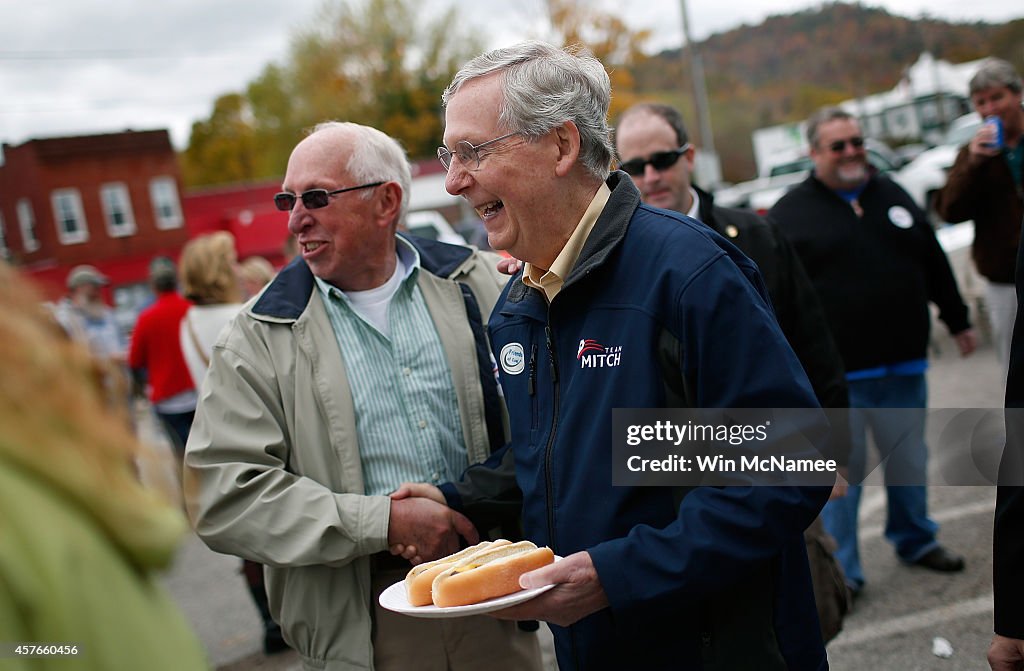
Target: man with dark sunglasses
x,y
875,262
644,141
362,364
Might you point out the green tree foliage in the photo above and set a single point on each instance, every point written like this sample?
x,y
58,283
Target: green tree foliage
x,y
377,63
225,143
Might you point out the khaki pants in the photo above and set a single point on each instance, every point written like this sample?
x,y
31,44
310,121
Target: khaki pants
x,y
1001,305
471,643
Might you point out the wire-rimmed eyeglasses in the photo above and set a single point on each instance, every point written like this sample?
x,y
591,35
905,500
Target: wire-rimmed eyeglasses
x,y
468,154
314,199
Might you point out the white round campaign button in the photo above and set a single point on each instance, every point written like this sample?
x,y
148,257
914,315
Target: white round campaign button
x,y
513,358
900,217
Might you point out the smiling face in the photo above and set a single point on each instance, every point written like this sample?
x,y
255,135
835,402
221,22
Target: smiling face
x,y
642,134
837,162
346,242
514,191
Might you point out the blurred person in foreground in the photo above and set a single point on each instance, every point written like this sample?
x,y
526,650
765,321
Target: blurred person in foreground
x,y
654,149
875,263
652,577
82,541
361,365
1006,653
986,185
155,358
210,278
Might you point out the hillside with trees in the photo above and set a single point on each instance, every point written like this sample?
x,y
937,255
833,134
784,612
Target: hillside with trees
x,y
381,64
784,68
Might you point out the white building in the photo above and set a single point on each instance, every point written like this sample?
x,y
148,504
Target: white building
x,y
930,95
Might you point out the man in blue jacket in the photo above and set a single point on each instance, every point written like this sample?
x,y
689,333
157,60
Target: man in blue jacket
x,y
622,306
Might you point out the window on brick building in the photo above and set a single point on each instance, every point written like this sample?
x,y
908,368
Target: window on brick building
x,y
163,191
27,225
117,209
69,216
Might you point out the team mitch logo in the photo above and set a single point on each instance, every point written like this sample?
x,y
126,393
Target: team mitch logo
x,y
592,354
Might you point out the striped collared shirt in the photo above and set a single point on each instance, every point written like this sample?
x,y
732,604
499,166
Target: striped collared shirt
x,y
407,414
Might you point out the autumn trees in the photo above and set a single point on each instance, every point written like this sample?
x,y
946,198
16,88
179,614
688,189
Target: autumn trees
x,y
379,63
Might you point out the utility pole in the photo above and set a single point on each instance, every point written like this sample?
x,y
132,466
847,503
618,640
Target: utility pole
x,y
707,139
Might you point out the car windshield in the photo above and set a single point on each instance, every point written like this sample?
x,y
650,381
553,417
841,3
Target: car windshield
x,y
799,165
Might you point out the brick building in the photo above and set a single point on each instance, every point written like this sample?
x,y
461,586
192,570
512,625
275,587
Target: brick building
x,y
111,200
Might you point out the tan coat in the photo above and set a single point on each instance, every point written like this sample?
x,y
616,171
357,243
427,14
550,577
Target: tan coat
x,y
272,467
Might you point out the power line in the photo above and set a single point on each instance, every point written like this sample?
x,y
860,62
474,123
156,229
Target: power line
x,y
116,54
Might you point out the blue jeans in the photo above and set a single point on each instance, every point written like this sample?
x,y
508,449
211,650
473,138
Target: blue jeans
x,y
899,436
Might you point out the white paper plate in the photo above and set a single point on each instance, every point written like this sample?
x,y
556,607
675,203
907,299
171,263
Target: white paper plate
x,y
394,598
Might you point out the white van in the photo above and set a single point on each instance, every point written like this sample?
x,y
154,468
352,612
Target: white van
x,y
431,225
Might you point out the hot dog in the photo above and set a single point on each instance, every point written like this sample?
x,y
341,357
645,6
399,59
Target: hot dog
x,y
420,578
488,573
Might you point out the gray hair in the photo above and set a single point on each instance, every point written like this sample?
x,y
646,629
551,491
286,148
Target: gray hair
x,y
670,115
994,73
824,115
543,87
376,157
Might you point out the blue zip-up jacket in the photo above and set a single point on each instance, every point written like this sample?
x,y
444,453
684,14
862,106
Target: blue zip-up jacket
x,y
700,578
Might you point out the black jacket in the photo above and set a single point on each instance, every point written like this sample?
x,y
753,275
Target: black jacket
x,y
875,273
1008,533
796,304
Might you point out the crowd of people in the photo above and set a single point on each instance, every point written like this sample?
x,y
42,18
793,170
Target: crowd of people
x,y
384,400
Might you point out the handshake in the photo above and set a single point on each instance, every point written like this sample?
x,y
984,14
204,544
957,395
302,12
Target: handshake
x,y
422,527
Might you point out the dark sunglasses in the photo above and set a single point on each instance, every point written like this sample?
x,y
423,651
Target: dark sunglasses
x,y
659,160
839,145
314,199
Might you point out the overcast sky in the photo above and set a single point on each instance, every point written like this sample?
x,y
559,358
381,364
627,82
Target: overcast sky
x,y
72,67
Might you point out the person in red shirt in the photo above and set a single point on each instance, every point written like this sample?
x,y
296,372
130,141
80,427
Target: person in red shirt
x,y
155,355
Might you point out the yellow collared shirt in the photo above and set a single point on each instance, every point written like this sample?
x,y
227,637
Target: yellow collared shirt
x,y
549,282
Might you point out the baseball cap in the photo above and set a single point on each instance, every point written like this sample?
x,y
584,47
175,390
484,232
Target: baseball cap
x,y
162,268
86,274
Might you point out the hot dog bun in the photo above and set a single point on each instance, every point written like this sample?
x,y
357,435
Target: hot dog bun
x,y
420,578
488,573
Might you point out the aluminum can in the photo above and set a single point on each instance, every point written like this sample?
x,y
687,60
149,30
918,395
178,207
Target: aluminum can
x,y
998,124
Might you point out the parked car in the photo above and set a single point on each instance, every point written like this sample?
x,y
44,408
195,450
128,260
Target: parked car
x,y
925,175
430,224
785,176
